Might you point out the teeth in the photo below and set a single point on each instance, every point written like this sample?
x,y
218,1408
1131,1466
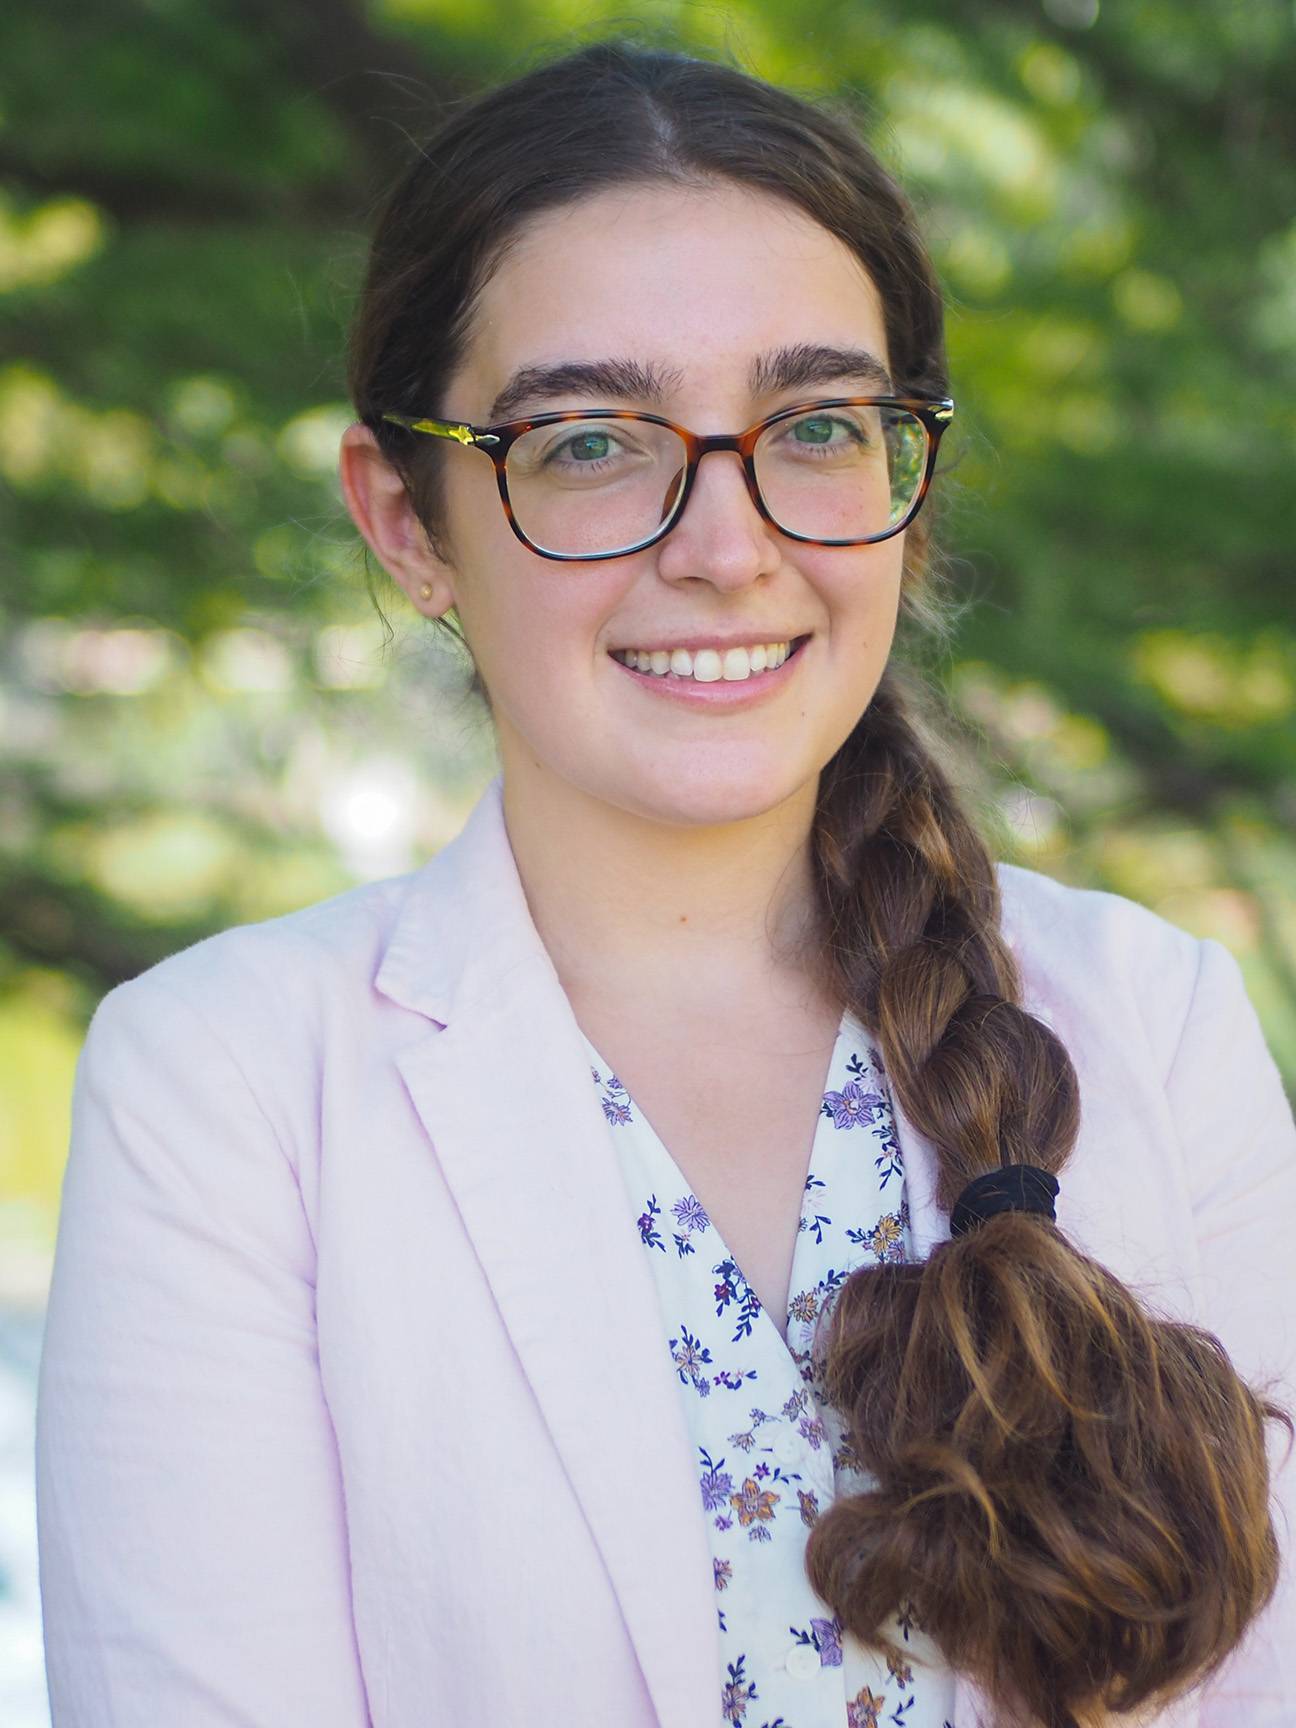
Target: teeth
x,y
707,665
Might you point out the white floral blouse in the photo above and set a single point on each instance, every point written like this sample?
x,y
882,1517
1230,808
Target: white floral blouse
x,y
771,1452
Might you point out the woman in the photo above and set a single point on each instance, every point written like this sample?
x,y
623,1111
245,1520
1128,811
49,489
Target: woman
x,y
673,1258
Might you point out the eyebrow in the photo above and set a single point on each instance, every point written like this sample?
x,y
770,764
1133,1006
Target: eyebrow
x,y
785,368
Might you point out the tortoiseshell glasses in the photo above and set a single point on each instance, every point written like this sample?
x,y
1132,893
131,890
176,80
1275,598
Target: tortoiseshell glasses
x,y
590,483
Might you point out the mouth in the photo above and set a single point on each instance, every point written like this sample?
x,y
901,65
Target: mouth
x,y
730,691
709,666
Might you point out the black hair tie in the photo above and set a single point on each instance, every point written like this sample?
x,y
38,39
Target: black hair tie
x,y
1012,1188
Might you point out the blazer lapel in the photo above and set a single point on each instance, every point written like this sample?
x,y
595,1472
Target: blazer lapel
x,y
499,1076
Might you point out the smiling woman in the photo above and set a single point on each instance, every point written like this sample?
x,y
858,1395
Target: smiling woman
x,y
710,316
674,1259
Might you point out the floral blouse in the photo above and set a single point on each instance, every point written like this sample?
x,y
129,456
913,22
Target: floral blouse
x,y
770,1451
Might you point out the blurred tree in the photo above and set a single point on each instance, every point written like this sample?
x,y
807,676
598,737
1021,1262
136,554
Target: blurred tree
x,y
200,720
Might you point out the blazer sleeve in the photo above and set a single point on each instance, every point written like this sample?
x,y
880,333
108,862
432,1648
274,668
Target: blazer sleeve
x,y
1240,1141
191,1532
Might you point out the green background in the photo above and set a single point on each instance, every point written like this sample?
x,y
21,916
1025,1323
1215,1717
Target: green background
x,y
201,719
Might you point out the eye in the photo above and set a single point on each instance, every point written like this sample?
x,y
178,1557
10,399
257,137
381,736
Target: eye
x,y
820,429
592,445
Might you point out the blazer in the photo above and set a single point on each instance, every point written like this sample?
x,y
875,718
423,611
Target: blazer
x,y
324,1399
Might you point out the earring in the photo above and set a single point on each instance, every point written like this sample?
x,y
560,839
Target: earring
x,y
425,592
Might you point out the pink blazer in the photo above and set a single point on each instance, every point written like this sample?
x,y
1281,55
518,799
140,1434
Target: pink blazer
x,y
326,1399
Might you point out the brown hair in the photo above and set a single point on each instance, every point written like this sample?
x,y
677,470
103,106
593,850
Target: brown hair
x,y
1072,1494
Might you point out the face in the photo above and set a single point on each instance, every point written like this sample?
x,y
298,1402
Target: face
x,y
698,286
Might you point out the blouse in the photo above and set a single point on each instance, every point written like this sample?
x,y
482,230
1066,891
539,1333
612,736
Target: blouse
x,y
770,1448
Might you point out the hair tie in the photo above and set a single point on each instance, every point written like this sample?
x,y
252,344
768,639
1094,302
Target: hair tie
x,y
1012,1188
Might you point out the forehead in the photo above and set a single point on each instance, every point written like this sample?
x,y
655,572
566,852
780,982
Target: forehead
x,y
697,280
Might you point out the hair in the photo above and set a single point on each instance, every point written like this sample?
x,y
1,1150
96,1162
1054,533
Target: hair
x,y
1071,1494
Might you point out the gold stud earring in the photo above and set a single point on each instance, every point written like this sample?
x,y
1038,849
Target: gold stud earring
x,y
425,592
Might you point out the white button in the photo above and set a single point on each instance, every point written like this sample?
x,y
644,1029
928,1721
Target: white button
x,y
803,1661
787,1446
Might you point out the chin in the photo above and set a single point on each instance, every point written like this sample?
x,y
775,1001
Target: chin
x,y
702,798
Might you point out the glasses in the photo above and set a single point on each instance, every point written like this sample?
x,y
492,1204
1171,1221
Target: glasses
x,y
598,483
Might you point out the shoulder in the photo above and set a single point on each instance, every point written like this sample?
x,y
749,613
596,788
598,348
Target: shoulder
x,y
1042,914
1100,956
262,982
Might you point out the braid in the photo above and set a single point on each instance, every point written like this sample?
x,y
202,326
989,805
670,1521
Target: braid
x,y
1049,1492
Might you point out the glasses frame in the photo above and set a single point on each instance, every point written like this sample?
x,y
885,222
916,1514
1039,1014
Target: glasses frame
x,y
933,412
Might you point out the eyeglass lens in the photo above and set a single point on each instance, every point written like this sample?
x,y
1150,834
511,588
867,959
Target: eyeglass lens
x,y
604,484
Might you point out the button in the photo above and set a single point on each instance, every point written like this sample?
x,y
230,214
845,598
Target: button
x,y
788,1446
803,1661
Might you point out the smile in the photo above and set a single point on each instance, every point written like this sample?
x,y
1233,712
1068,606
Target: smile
x,y
704,676
709,665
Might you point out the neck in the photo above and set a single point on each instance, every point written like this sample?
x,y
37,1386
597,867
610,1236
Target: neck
x,y
715,918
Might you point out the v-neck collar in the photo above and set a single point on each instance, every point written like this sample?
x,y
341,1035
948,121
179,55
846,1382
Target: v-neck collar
x,y
848,1026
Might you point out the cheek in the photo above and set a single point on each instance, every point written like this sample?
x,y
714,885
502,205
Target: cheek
x,y
860,589
532,624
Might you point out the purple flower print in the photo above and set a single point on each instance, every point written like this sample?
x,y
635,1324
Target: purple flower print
x,y
690,1215
827,1635
852,1107
717,1484
812,1431
715,1489
723,1570
615,1108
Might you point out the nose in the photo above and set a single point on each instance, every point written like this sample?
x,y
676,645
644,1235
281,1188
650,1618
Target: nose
x,y
719,535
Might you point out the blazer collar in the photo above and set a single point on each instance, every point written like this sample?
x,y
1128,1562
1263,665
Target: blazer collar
x,y
501,1084
464,924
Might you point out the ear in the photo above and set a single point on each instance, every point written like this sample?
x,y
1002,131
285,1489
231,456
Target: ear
x,y
380,507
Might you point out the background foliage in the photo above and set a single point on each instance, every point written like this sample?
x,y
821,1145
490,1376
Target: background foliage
x,y
199,720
